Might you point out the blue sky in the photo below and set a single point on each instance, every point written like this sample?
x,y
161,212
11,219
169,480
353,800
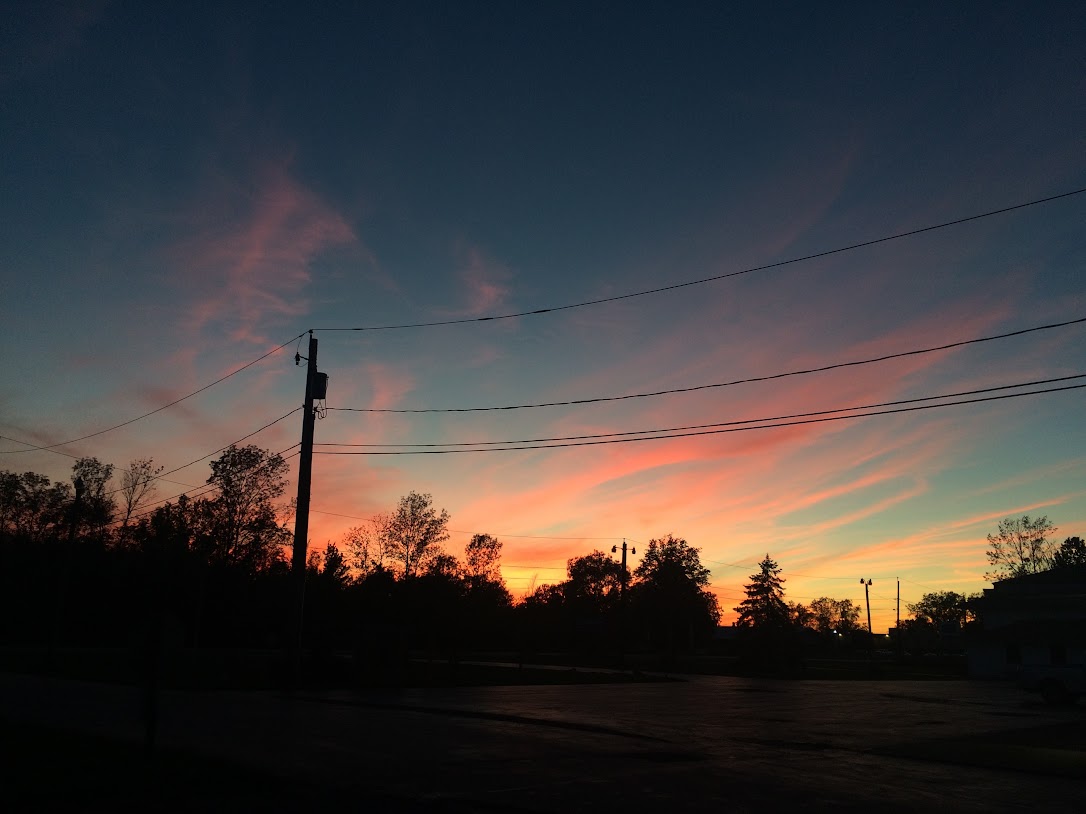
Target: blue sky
x,y
188,186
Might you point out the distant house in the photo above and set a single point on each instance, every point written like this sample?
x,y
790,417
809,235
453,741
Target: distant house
x,y
1032,620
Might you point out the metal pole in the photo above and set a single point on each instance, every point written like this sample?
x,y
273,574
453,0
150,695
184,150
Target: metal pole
x,y
900,645
867,598
622,609
301,519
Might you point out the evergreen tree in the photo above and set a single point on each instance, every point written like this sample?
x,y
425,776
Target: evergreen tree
x,y
764,608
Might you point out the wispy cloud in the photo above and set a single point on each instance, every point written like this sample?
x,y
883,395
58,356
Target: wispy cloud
x,y
482,284
246,267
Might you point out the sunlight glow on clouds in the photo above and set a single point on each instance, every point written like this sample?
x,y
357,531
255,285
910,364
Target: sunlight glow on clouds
x,y
251,269
185,203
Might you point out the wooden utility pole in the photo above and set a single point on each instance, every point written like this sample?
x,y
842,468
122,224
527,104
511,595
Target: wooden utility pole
x,y
301,517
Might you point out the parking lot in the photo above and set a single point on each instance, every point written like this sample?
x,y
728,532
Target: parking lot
x,y
704,743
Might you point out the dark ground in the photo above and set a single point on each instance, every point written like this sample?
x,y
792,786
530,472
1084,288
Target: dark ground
x,y
703,744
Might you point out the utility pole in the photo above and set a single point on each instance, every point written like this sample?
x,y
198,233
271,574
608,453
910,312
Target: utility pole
x,y
622,583
313,390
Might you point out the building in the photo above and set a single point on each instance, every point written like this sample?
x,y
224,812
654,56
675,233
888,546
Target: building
x,y
1035,620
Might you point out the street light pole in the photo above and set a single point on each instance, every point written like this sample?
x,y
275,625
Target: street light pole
x,y
622,606
867,598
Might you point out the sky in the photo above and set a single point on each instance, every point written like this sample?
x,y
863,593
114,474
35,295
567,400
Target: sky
x,y
188,186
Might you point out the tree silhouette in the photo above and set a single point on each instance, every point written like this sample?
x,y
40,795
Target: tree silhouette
x,y
834,615
764,608
369,546
1072,551
482,558
95,505
671,595
442,563
1021,546
137,485
239,526
415,531
334,569
594,583
31,507
938,608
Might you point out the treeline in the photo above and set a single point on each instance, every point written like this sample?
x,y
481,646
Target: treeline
x,y
98,561
92,562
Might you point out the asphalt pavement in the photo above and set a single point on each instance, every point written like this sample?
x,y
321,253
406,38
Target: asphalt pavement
x,y
700,744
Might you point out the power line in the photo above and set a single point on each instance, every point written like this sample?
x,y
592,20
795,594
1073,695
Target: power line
x,y
205,488
497,534
221,449
35,448
751,380
171,471
540,536
705,432
715,277
158,409
721,423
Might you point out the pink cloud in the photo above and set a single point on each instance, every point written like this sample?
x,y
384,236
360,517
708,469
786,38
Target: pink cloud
x,y
486,284
483,284
249,266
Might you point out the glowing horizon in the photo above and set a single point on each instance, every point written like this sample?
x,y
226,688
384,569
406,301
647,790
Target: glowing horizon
x,y
227,206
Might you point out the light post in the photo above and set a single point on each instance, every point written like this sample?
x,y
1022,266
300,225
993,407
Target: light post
x,y
870,634
622,606
867,598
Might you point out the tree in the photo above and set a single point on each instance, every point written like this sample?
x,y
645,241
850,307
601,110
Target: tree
x,y
939,608
1022,546
594,583
834,615
482,558
137,485
414,529
32,507
800,615
671,589
239,526
764,608
369,545
94,505
335,568
1072,551
442,564
10,501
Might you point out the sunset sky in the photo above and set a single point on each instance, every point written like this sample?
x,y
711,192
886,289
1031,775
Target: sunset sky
x,y
186,187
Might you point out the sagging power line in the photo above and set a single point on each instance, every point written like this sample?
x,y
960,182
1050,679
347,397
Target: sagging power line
x,y
205,488
733,383
719,423
774,425
715,277
173,403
